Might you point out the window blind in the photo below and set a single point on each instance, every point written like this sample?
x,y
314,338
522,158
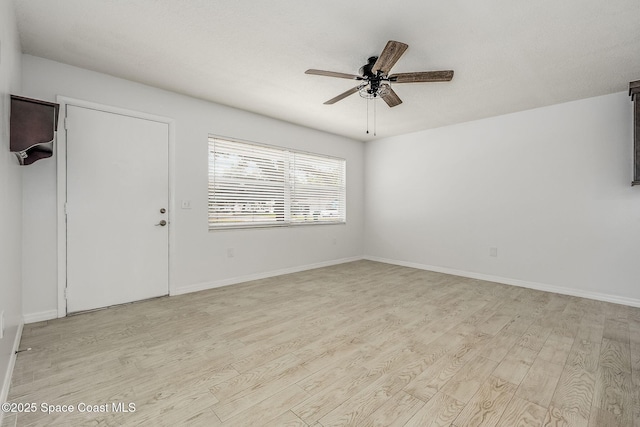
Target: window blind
x,y
258,185
317,189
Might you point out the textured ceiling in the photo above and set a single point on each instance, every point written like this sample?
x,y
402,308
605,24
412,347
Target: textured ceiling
x,y
507,55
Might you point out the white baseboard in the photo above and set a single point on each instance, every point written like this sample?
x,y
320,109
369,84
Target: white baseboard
x,y
514,282
12,363
40,316
235,280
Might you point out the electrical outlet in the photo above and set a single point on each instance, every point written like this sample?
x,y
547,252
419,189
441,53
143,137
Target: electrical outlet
x,y
186,204
334,241
231,252
493,252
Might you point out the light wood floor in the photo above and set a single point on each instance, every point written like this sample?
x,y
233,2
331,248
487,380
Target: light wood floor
x,y
360,344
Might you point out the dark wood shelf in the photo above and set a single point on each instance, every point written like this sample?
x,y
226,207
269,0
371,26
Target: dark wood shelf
x,y
33,126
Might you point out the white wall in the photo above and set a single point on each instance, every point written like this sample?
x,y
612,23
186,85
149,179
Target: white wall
x,y
200,257
549,188
10,197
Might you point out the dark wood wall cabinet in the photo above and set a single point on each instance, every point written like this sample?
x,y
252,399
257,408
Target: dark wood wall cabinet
x,y
634,92
32,128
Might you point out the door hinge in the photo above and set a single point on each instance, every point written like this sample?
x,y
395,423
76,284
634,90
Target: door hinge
x,y
65,293
66,123
65,208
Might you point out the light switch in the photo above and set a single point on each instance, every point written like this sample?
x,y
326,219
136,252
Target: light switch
x,y
186,204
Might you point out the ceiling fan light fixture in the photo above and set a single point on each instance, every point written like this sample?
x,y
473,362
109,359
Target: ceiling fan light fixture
x,y
368,92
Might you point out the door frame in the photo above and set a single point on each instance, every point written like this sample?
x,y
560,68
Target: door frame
x,y
61,186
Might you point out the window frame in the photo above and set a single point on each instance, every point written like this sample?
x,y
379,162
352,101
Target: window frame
x,y
289,171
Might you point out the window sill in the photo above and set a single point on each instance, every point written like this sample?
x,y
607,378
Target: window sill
x,y
251,226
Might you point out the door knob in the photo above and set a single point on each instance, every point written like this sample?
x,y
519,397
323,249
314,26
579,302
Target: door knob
x,y
162,223
162,210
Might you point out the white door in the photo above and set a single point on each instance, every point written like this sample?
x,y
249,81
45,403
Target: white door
x,y
117,195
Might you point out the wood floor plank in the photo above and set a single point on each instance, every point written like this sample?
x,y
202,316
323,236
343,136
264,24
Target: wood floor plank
x,y
494,324
520,322
604,418
567,325
317,406
539,385
288,419
352,350
487,405
556,349
357,408
189,409
245,398
428,383
564,417
572,400
395,412
254,356
535,337
498,347
516,364
522,413
464,384
439,411
461,349
328,398
268,409
205,418
9,420
613,393
573,396
616,330
329,376
226,390
395,371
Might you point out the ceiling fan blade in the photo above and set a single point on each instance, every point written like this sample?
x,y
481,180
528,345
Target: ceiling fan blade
x,y
389,56
343,95
391,98
333,74
421,77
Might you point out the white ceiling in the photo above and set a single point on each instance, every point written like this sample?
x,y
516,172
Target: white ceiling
x,y
508,55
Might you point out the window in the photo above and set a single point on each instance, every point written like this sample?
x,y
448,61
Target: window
x,y
259,185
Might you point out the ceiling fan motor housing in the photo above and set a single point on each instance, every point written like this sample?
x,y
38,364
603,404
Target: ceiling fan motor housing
x,y
373,79
365,70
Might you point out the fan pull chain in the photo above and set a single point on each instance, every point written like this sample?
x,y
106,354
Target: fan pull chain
x,y
374,117
375,126
368,116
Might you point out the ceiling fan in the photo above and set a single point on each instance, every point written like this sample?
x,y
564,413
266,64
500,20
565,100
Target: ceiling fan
x,y
375,77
